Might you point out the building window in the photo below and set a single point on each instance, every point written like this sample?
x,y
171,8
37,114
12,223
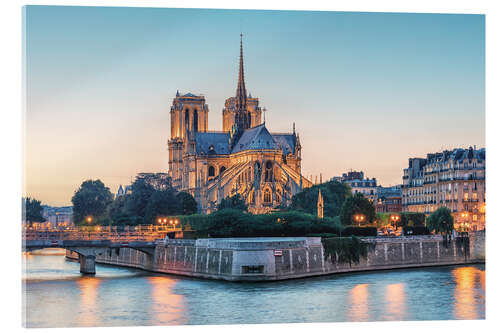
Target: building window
x,y
222,169
269,171
211,171
195,121
259,269
186,120
267,196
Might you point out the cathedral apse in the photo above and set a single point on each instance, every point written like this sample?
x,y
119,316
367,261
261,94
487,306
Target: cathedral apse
x,y
244,158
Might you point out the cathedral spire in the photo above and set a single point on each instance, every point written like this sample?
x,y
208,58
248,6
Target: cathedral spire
x,y
241,92
242,120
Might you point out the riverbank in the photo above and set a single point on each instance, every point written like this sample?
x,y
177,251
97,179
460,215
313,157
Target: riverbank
x,y
267,259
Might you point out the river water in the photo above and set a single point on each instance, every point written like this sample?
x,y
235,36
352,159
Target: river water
x,y
56,295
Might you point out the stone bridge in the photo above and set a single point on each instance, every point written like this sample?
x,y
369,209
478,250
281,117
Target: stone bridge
x,y
88,248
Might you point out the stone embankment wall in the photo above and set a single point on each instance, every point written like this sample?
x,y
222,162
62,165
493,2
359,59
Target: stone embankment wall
x,y
262,259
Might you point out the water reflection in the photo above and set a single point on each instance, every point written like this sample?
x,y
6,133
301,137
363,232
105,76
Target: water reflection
x,y
87,313
396,301
467,279
358,297
58,296
167,307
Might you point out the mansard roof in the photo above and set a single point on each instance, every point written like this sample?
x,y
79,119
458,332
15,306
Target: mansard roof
x,y
255,138
285,141
212,143
457,155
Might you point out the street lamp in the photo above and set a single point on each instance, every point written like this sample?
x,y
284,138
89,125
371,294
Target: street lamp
x,y
89,219
359,218
395,219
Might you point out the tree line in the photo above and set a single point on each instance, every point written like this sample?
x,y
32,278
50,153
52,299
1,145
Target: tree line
x,y
153,195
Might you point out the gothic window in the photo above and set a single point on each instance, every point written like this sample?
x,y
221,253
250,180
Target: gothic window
x,y
186,119
269,171
211,171
195,121
222,169
267,196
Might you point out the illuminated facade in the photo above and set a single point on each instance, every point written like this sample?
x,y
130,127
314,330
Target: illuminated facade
x,y
454,179
359,184
244,158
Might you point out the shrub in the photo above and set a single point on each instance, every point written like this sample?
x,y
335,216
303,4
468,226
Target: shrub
x,y
323,235
345,249
359,231
236,223
411,219
411,231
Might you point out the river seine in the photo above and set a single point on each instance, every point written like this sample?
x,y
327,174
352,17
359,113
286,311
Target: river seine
x,y
56,295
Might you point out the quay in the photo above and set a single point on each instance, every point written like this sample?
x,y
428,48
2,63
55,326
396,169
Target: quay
x,y
268,259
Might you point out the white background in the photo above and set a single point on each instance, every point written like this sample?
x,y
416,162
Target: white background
x,y
11,123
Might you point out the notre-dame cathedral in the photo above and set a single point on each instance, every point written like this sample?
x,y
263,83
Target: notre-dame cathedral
x,y
244,158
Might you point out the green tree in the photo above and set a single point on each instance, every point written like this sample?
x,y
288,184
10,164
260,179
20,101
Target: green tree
x,y
440,221
117,211
412,219
161,203
235,202
383,219
32,210
143,188
334,194
138,200
91,199
356,204
187,203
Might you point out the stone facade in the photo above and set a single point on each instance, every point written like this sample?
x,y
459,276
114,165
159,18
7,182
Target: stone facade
x,y
245,158
389,199
454,179
263,259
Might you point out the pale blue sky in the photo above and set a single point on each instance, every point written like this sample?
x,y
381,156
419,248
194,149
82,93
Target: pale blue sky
x,y
366,90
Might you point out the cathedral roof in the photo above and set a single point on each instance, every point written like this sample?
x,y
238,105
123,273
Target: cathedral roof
x,y
212,143
285,141
255,138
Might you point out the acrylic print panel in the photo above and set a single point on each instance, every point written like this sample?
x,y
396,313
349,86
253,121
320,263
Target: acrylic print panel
x,y
189,166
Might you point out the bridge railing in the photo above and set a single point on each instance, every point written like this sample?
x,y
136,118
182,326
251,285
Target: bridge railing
x,y
96,235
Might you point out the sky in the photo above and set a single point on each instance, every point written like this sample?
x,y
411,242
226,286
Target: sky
x,y
366,91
